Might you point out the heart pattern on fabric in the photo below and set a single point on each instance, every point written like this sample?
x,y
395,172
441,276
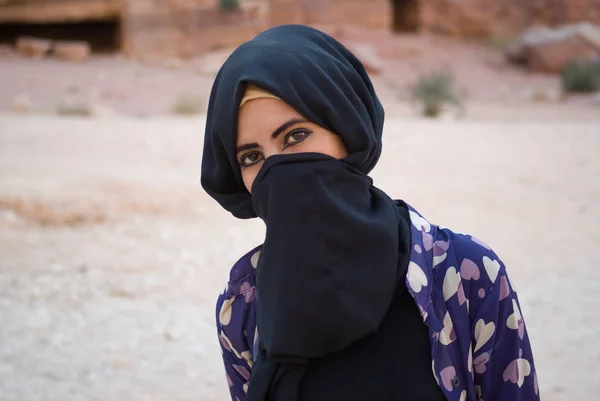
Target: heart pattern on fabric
x,y
254,259
248,291
516,371
247,356
515,320
504,289
439,259
433,370
470,360
483,333
492,267
439,252
427,241
469,270
242,371
462,298
416,277
479,363
225,312
419,222
451,283
422,313
447,375
447,335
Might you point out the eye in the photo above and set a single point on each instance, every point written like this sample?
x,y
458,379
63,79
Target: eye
x,y
250,159
295,137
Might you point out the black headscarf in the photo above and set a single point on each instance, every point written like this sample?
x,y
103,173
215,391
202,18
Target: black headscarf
x,y
336,247
315,75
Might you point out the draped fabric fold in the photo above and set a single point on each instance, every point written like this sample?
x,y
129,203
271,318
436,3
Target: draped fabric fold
x,y
315,75
329,268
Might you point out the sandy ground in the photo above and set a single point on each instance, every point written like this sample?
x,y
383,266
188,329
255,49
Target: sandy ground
x,y
111,255
491,88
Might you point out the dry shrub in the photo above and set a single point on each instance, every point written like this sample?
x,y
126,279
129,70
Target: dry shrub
x,y
434,91
188,105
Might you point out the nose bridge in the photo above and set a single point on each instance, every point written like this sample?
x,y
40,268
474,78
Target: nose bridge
x,y
271,149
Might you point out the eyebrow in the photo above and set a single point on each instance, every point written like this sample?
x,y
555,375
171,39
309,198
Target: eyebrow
x,y
246,147
274,135
287,125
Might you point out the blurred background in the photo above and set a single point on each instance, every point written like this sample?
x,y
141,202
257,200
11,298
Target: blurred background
x,y
111,255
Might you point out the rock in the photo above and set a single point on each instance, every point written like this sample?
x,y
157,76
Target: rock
x,y
6,51
367,56
550,50
122,290
33,47
171,335
103,111
553,57
76,51
121,361
9,215
22,104
83,102
68,107
517,52
544,95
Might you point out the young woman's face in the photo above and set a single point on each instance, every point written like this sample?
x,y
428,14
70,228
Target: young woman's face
x,y
270,127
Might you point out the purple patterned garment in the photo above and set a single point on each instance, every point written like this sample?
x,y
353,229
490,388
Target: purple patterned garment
x,y
479,345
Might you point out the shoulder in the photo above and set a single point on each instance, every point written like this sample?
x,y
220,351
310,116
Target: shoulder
x,y
235,315
475,259
452,249
462,264
241,284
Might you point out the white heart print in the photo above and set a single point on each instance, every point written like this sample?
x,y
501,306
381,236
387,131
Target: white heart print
x,y
492,267
483,333
416,278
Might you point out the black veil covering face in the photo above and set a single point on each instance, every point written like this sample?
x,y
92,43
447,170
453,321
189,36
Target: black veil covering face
x,y
315,75
336,248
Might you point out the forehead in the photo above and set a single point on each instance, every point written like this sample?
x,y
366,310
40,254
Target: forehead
x,y
260,117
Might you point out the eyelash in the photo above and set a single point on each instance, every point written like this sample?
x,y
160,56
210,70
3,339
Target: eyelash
x,y
289,135
286,145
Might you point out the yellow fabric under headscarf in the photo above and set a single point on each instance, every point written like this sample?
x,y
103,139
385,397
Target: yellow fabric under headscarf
x,y
254,92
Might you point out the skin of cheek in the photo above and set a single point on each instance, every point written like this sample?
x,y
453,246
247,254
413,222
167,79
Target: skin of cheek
x,y
261,116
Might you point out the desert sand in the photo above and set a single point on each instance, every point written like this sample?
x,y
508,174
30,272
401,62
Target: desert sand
x,y
112,255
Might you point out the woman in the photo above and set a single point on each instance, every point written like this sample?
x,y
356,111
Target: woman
x,y
352,296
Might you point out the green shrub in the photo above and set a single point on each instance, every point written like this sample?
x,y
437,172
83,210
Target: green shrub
x,y
581,76
500,42
229,5
434,91
188,105
75,108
